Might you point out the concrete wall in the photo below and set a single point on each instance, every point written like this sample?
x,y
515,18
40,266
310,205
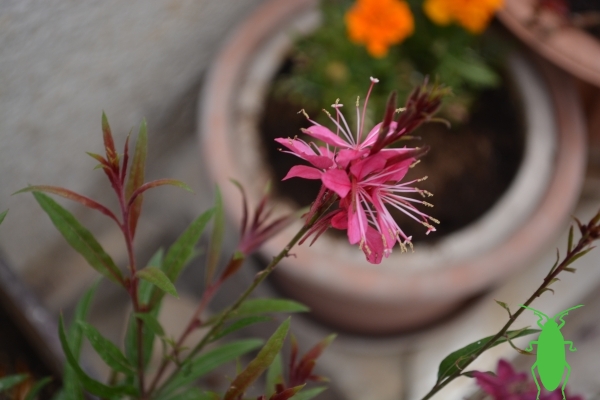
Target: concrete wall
x,y
64,61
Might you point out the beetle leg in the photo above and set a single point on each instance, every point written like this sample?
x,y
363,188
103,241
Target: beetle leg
x,y
571,348
530,348
566,380
536,380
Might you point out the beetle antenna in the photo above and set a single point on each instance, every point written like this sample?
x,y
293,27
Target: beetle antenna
x,y
539,314
562,314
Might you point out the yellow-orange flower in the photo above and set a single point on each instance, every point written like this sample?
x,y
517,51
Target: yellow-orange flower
x,y
378,24
473,15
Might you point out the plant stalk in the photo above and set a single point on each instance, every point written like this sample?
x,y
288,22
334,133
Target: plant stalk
x,y
260,276
582,244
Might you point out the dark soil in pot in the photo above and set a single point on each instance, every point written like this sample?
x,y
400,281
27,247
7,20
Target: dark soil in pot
x,y
469,167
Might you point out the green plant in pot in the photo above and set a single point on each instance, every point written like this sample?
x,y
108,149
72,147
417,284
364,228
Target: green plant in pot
x,y
399,43
243,112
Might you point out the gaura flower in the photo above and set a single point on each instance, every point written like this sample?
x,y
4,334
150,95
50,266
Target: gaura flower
x,y
473,15
507,384
366,174
378,24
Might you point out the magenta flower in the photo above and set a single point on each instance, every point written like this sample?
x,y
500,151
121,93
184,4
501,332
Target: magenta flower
x,y
365,174
507,384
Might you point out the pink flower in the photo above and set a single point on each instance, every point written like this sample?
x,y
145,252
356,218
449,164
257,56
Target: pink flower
x,y
507,384
365,174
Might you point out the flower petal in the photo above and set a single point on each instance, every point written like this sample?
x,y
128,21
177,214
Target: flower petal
x,y
354,234
373,248
372,135
344,157
304,151
340,220
364,167
321,162
322,133
338,181
489,383
303,171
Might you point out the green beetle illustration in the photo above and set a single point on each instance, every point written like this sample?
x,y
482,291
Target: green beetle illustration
x,y
551,361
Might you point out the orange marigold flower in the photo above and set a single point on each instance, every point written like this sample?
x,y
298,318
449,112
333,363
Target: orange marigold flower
x,y
378,24
473,15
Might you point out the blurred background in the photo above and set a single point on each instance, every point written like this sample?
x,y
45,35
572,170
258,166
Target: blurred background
x,y
63,62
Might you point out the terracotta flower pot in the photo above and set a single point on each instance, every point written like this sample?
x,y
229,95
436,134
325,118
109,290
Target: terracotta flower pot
x,y
406,290
571,48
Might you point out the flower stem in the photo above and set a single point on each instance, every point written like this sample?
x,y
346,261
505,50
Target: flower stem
x,y
133,283
261,276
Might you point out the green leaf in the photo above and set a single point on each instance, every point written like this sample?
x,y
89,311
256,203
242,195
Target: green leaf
x,y
136,176
458,360
37,387
109,352
79,238
262,306
309,393
148,334
570,242
91,385
274,376
194,394
155,276
471,374
152,322
242,323
145,288
555,263
207,362
71,384
505,306
10,381
181,251
3,215
216,239
61,395
109,144
257,366
578,256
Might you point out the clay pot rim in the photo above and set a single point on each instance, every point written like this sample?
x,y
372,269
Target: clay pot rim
x,y
451,282
562,47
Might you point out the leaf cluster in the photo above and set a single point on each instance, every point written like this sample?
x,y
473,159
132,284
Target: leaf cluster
x,y
326,65
130,362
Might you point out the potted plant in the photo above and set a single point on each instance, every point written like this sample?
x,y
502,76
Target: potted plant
x,y
566,32
409,289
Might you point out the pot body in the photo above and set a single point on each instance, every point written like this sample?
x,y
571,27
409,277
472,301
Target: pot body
x,y
571,48
406,290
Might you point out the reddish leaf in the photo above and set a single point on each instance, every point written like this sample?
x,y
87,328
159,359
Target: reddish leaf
x,y
136,177
233,266
68,194
287,393
109,144
158,182
104,165
303,371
